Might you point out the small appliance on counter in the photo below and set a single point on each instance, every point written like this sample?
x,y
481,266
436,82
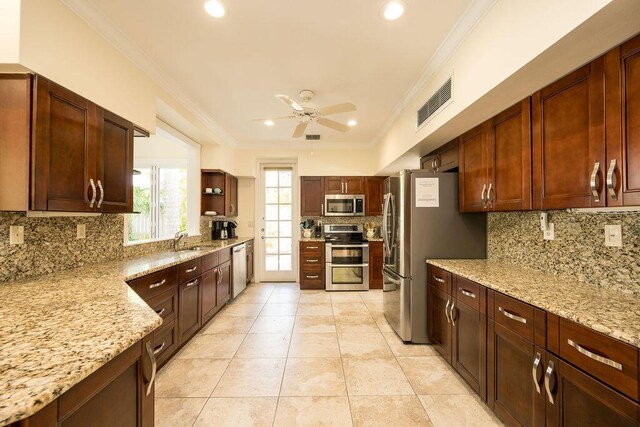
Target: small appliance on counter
x,y
346,258
231,229
220,230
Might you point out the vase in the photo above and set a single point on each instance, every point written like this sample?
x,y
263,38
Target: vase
x,y
371,234
306,233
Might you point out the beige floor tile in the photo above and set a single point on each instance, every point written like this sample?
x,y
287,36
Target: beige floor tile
x,y
383,411
313,412
401,349
279,309
253,298
238,411
459,410
313,377
374,307
364,345
318,297
314,324
224,324
356,324
266,346
191,377
432,375
287,288
212,346
314,309
314,345
241,309
375,377
283,298
382,323
272,325
173,412
251,377
338,297
349,309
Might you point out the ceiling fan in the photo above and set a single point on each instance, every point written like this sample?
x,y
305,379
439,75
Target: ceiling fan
x,y
306,112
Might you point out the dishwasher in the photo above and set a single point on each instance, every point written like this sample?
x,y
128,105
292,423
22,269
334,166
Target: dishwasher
x,y
239,269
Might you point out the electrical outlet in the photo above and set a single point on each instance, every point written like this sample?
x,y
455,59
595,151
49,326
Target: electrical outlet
x,y
16,235
210,224
550,232
613,235
81,231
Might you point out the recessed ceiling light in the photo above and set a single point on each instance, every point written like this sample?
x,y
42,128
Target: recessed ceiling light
x,y
214,8
269,123
393,10
352,123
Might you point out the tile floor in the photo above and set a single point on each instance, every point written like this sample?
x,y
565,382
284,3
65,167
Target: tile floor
x,y
278,356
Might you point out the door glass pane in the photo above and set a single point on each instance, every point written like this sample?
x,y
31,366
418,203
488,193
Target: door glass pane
x,y
271,229
271,178
285,262
285,228
285,212
271,195
285,178
271,212
271,263
271,245
285,246
278,215
285,195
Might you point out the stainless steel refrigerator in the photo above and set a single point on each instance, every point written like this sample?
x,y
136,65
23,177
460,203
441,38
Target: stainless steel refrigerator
x,y
420,221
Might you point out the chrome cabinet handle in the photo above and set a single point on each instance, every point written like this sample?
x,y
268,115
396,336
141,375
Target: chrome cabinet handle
x,y
312,247
483,195
512,316
346,187
221,276
489,197
321,209
451,311
154,366
437,279
191,270
466,293
436,161
433,164
160,312
312,260
534,371
190,284
101,188
446,310
158,349
158,284
93,192
547,381
312,277
594,356
342,187
611,185
595,192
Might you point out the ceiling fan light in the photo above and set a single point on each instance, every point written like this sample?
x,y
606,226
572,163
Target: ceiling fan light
x,y
214,8
269,122
352,123
393,10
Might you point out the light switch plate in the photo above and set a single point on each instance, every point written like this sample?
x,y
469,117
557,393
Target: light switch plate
x,y
81,231
550,232
613,235
16,235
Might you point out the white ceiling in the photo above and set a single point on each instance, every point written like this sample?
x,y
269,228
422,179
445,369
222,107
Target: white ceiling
x,y
342,49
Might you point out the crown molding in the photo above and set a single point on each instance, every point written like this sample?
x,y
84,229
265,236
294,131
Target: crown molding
x,y
110,31
472,15
303,144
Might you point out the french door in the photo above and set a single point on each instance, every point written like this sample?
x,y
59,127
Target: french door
x,y
279,223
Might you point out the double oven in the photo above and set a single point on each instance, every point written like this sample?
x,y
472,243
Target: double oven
x,y
346,257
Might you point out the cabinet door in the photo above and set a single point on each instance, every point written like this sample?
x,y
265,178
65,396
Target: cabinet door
x,y
373,195
514,395
353,184
64,150
189,313
428,162
231,195
575,399
311,196
209,287
333,185
438,323
569,141
249,267
622,67
447,157
115,164
509,143
224,283
473,171
375,265
469,348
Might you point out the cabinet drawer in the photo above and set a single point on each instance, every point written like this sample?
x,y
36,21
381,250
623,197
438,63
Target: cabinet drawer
x,y
188,270
607,359
311,276
165,341
156,283
165,305
224,255
468,292
517,316
312,248
310,260
439,278
209,261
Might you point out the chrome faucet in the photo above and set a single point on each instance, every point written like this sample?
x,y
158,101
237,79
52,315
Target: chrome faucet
x,y
176,239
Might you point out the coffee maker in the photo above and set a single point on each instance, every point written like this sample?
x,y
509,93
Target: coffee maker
x,y
219,230
231,229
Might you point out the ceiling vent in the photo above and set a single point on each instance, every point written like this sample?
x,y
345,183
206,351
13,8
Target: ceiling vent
x,y
312,137
441,97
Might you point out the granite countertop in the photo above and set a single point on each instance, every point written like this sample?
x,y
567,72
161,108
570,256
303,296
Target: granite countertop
x,y
608,311
57,329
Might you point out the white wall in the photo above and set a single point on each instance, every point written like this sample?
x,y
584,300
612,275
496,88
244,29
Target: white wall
x,y
246,207
9,31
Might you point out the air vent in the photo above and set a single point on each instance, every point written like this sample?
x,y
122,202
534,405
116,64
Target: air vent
x,y
313,137
434,103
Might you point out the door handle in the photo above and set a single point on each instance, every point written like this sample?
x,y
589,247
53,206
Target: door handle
x,y
596,357
611,185
446,310
154,366
594,182
451,312
467,293
483,195
534,371
342,187
101,188
93,192
548,378
512,316
489,197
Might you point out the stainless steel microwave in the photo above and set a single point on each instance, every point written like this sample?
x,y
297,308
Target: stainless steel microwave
x,y
344,205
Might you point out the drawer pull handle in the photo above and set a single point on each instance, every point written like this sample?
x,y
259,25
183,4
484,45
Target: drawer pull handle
x,y
158,284
312,260
159,312
467,293
534,371
437,279
512,316
190,284
192,269
158,349
312,247
550,388
446,310
312,277
594,356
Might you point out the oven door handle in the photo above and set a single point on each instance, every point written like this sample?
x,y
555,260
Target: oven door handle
x,y
347,265
364,245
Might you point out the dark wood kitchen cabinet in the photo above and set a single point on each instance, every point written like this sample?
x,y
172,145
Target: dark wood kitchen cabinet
x,y
373,195
224,203
190,309
473,171
209,288
224,284
312,265
344,185
312,195
443,159
250,262
376,261
438,323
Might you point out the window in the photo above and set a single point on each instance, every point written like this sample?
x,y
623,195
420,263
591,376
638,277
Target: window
x,y
278,219
160,197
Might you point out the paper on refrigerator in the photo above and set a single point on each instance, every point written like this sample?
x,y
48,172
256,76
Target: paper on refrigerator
x,y
427,193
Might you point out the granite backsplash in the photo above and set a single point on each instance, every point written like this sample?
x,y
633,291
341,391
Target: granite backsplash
x,y
347,220
578,251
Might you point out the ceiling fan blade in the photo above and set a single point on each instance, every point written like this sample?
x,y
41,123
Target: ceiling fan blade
x,y
274,118
290,102
333,124
338,108
302,126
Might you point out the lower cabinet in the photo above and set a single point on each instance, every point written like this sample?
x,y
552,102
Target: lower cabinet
x,y
376,259
438,323
223,292
469,345
189,311
209,288
250,271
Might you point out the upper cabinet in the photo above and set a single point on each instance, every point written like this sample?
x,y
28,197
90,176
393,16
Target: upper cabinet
x,y
473,171
443,159
312,195
81,155
373,195
344,185
224,201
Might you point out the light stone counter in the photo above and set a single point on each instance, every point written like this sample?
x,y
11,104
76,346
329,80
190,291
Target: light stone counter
x,y
57,329
608,311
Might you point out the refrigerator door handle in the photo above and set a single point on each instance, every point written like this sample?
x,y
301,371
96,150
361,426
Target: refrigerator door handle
x,y
385,229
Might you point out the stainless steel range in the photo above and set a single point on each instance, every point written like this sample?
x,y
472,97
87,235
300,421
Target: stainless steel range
x,y
347,258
